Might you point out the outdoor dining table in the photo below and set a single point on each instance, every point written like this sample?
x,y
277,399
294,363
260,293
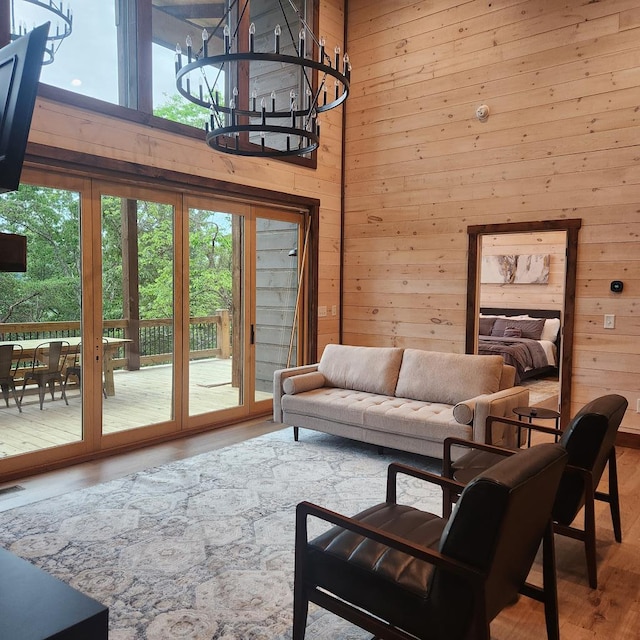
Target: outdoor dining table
x,y
111,346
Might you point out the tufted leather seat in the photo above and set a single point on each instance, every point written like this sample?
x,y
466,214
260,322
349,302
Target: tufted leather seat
x,y
402,573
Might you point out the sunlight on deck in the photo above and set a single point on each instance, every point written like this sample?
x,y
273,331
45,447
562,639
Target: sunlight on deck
x,y
141,398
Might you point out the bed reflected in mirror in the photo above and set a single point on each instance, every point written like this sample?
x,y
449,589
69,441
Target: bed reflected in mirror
x,y
520,303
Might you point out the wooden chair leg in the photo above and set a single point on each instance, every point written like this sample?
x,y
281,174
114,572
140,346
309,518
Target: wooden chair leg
x,y
300,598
300,610
550,584
614,497
447,503
590,536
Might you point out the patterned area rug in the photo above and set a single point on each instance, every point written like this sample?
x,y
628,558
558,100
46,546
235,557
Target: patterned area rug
x,y
202,549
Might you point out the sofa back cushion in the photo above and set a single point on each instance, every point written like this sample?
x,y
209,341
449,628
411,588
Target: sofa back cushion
x,y
449,378
369,369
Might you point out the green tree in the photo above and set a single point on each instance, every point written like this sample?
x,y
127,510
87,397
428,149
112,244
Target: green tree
x,y
50,289
178,109
211,262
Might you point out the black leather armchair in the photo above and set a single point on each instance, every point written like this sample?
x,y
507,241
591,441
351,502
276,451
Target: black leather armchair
x,y
401,573
590,442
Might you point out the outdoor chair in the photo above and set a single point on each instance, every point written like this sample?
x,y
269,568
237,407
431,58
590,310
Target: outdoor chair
x,y
590,442
401,573
74,369
46,368
10,355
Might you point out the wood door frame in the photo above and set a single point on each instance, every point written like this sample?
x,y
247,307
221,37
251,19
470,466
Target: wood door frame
x,y
572,227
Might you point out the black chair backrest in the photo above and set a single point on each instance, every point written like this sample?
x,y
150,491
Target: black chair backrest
x,y
6,360
74,355
497,526
50,354
588,439
10,356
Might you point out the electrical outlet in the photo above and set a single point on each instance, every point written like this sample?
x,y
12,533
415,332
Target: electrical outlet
x,y
334,310
638,406
322,311
609,321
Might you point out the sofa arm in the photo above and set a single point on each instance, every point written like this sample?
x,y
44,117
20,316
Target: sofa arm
x,y
499,404
279,376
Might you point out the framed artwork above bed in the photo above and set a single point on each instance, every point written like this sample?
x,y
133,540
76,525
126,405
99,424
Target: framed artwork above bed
x,y
528,339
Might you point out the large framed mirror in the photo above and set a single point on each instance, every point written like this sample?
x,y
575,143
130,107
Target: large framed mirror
x,y
505,232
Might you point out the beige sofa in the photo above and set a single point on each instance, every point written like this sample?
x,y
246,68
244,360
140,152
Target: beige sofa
x,y
404,399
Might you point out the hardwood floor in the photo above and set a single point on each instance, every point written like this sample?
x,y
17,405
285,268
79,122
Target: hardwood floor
x,y
39,487
611,612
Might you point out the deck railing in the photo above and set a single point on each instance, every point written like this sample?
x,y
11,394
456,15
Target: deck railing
x,y
209,337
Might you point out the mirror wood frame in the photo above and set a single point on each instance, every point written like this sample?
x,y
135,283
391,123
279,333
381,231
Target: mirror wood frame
x,y
571,226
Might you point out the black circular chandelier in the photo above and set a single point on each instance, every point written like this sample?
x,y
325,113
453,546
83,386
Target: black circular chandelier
x,y
61,19
257,113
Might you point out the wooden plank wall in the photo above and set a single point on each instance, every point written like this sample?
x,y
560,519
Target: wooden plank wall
x,y
65,127
527,296
562,82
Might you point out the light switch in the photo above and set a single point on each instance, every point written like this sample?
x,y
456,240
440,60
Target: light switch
x,y
609,321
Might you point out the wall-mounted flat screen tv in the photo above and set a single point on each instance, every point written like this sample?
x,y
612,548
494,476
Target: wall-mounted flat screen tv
x,y
20,64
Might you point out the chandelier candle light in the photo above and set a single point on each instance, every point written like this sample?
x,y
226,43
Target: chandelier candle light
x,y
235,124
59,15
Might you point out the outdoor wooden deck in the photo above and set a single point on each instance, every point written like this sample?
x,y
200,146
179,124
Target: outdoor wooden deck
x,y
141,398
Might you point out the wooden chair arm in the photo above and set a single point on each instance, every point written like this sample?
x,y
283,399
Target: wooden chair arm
x,y
521,425
468,444
396,468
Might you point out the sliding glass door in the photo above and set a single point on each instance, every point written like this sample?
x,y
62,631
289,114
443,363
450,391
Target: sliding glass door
x,y
244,262
216,285
174,311
279,253
41,323
138,242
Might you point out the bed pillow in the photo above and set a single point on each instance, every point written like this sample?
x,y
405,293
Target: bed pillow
x,y
551,328
528,328
485,326
512,332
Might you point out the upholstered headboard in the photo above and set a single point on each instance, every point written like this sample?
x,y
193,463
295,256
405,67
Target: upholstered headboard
x,y
534,313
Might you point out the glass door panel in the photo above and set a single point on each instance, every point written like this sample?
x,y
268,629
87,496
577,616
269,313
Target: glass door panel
x,y
216,253
138,312
279,251
38,308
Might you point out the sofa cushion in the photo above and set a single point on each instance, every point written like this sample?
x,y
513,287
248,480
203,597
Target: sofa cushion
x,y
303,382
334,404
399,416
432,376
369,369
424,420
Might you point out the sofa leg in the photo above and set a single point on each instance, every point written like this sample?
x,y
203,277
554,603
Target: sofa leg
x,y
380,451
295,433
